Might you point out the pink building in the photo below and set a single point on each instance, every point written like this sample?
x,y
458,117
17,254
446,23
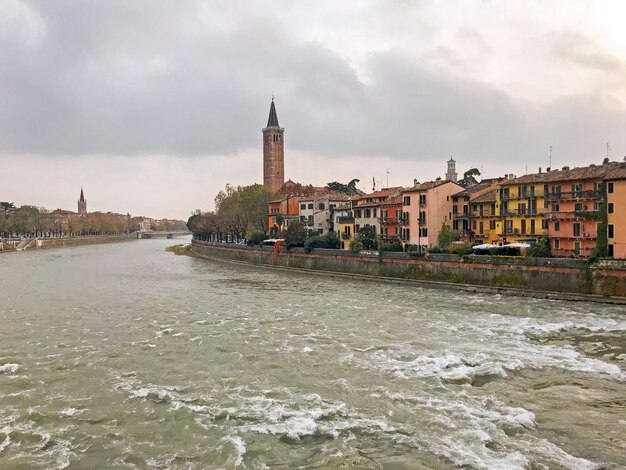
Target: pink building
x,y
426,207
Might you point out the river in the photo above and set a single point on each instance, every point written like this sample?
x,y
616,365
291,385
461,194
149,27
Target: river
x,y
125,356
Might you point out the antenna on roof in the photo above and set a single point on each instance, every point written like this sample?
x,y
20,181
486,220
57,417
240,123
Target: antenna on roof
x,y
608,150
387,178
550,160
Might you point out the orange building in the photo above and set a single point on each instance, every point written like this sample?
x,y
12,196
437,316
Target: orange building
x,y
616,212
287,208
573,198
390,217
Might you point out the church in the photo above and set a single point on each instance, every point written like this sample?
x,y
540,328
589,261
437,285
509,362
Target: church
x,y
273,152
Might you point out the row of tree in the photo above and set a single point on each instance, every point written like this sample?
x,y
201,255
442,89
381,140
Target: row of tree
x,y
31,221
240,212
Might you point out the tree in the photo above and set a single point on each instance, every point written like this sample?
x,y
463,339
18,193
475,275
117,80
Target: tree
x,y
367,237
540,249
348,189
356,245
469,178
253,200
445,237
295,234
256,238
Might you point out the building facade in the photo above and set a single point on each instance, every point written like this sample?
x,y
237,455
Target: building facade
x,y
616,213
273,152
426,207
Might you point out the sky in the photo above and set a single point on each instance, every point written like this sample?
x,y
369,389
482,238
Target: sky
x,y
152,106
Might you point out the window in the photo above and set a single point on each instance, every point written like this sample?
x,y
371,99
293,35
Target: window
x,y
303,219
609,188
577,190
611,208
544,224
422,199
455,210
577,229
557,244
523,226
407,201
556,190
310,206
578,206
555,208
302,207
610,251
481,228
557,226
492,225
577,248
455,225
596,206
611,231
368,213
523,191
474,224
532,226
357,213
310,220
374,212
321,206
521,208
422,217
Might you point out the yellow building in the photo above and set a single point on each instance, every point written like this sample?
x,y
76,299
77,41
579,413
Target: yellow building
x,y
346,231
483,218
520,208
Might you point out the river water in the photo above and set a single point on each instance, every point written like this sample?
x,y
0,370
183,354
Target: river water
x,y
125,356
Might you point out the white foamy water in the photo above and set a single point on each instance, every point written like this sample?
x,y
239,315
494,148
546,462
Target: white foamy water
x,y
126,356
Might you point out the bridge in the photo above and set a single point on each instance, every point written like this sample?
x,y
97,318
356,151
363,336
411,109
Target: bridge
x,y
162,234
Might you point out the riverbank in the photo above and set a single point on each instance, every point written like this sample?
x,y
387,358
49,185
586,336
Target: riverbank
x,y
563,279
35,244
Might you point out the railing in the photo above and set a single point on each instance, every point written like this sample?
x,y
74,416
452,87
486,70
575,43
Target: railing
x,y
484,214
521,195
388,220
563,196
346,236
461,216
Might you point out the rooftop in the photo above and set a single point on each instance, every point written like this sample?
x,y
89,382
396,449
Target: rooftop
x,y
603,171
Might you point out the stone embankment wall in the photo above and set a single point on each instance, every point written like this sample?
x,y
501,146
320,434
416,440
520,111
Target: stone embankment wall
x,y
69,241
568,276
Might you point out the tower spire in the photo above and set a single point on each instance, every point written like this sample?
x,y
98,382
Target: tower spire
x,y
272,121
273,152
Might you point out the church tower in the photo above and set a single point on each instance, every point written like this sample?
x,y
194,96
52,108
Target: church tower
x,y
273,152
82,204
451,174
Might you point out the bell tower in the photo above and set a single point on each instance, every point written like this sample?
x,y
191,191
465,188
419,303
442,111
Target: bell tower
x,y
451,174
273,152
82,204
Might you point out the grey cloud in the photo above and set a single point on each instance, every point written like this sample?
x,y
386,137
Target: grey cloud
x,y
147,78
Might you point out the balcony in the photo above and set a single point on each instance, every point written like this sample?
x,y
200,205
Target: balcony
x,y
389,220
346,236
477,214
460,216
568,196
584,215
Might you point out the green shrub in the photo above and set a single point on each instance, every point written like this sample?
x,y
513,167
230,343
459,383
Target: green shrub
x,y
256,238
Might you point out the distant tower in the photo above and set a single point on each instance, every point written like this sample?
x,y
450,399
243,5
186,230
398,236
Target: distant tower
x,y
82,204
451,174
273,152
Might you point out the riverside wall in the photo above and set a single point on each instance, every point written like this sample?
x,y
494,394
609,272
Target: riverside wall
x,y
605,278
67,241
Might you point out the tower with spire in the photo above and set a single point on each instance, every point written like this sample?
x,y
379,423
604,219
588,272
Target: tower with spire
x,y
273,152
451,174
82,204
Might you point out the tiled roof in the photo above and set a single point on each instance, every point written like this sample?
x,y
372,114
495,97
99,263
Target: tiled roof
x,y
617,173
603,171
472,189
426,186
393,201
381,193
489,196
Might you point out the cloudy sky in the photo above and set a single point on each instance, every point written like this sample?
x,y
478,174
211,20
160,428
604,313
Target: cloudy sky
x,y
152,106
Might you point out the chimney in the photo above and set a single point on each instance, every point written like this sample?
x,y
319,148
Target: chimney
x,y
539,170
